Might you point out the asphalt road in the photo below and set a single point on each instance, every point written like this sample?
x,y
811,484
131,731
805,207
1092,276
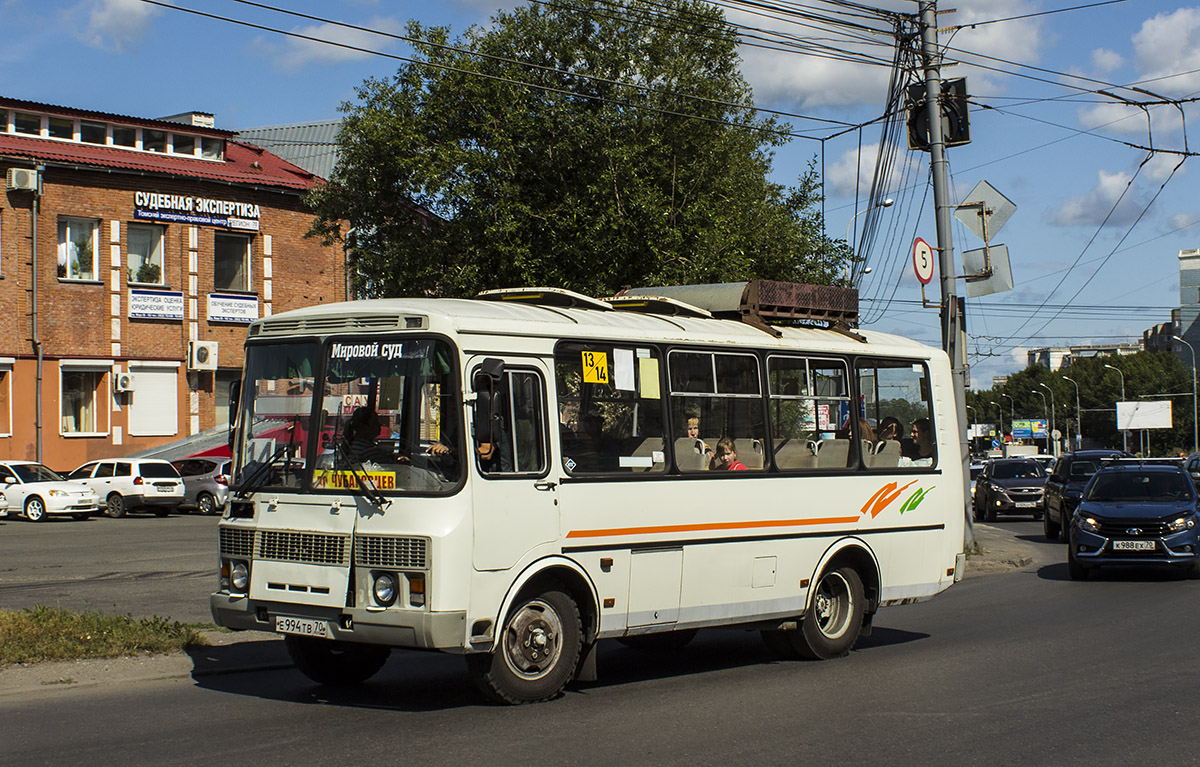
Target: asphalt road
x,y
1017,668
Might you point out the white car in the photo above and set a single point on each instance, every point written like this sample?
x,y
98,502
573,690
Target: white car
x,y
38,491
128,484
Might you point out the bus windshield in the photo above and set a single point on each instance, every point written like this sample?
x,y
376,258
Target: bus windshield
x,y
389,415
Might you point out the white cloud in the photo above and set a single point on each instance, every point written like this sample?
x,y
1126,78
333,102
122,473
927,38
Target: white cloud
x,y
1106,61
1183,220
807,81
1092,208
296,54
1166,45
853,171
113,25
1159,168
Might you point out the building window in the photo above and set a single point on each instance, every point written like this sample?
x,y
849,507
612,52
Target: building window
x,y
124,136
5,400
231,268
76,248
154,140
62,127
183,144
93,133
23,122
211,148
81,401
144,261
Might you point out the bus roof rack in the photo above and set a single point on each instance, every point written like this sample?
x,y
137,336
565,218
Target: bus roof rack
x,y
563,299
757,301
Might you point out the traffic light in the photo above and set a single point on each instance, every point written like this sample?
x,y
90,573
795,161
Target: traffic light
x,y
956,124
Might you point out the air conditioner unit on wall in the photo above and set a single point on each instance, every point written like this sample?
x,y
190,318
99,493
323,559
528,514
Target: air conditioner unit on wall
x,y
22,178
202,355
123,382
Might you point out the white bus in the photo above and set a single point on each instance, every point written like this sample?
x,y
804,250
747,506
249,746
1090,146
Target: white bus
x,y
517,476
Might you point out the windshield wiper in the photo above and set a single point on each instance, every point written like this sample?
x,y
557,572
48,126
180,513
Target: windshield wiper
x,y
364,482
256,477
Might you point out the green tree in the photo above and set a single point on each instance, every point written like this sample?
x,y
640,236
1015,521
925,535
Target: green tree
x,y
513,157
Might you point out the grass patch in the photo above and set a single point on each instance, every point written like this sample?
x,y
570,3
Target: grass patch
x,y
45,633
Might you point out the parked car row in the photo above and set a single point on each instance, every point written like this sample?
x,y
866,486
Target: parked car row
x,y
116,485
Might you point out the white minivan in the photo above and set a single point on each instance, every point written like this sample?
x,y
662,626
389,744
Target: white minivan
x,y
129,484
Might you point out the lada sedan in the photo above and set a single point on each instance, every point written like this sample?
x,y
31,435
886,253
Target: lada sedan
x,y
1136,513
38,491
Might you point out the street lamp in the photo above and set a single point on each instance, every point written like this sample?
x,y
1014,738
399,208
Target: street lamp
x,y
1012,409
1195,423
1124,434
889,202
1078,416
1053,428
1044,413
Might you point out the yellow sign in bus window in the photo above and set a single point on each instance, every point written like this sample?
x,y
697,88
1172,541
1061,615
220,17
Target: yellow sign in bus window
x,y
595,367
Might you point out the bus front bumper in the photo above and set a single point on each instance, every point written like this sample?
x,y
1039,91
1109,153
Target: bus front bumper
x,y
392,627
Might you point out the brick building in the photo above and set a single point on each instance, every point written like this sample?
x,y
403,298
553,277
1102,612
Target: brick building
x,y
133,254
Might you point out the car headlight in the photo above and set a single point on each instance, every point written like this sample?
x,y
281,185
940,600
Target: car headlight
x,y
239,577
1089,523
1182,523
386,588
58,493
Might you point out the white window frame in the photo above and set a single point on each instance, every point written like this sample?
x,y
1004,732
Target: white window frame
x,y
135,367
247,261
102,404
130,273
64,251
6,374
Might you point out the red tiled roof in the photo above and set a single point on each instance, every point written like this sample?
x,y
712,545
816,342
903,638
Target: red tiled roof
x,y
243,164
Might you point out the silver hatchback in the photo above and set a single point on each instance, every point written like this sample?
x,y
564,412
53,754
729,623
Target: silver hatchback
x,y
205,483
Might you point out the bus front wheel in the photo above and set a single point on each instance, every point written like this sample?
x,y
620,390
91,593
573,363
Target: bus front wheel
x,y
536,653
335,663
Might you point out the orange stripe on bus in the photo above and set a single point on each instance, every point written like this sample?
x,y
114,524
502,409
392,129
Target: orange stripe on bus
x,y
710,526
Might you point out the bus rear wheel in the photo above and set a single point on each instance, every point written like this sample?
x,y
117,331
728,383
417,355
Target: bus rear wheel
x,y
536,653
335,663
832,624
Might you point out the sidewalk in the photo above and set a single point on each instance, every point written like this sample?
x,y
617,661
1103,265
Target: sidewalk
x,y
245,651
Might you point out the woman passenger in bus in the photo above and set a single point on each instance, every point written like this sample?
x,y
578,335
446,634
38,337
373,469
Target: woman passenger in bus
x,y
725,458
921,446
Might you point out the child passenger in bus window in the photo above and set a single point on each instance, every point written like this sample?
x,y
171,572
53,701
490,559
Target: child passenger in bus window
x,y
693,433
725,458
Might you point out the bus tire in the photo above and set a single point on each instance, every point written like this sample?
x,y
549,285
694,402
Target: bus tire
x,y
834,619
663,641
335,663
536,652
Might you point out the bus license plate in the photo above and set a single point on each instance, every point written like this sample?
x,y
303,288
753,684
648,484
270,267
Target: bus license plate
x,y
302,626
1133,545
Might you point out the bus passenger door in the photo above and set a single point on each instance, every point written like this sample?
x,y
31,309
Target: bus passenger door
x,y
515,489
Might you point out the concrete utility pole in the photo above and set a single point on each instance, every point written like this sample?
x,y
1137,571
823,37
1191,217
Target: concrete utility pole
x,y
951,320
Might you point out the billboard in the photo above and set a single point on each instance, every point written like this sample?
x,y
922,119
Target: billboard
x,y
1030,429
1144,414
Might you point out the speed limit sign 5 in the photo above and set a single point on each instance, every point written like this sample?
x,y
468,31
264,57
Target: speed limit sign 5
x,y
923,261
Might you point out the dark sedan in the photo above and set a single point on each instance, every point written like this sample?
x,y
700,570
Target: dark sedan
x,y
1136,513
1009,486
1064,487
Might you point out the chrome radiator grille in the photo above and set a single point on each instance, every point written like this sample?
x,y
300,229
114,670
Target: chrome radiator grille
x,y
309,548
237,542
391,552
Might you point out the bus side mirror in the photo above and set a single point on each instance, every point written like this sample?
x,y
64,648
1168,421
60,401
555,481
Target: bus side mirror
x,y
235,398
484,382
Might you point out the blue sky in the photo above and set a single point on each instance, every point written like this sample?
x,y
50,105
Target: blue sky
x,y
1043,134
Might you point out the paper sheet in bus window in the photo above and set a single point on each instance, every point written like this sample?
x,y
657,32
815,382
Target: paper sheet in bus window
x,y
623,369
648,372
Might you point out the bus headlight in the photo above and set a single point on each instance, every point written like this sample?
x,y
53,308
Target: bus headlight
x,y
386,588
239,577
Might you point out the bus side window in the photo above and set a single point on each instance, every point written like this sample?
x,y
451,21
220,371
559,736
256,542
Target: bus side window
x,y
810,411
898,405
713,396
520,430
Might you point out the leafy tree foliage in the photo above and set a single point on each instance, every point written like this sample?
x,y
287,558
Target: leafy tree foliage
x,y
1153,374
512,156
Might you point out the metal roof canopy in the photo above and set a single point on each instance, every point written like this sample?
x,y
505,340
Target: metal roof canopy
x,y
757,301
565,299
